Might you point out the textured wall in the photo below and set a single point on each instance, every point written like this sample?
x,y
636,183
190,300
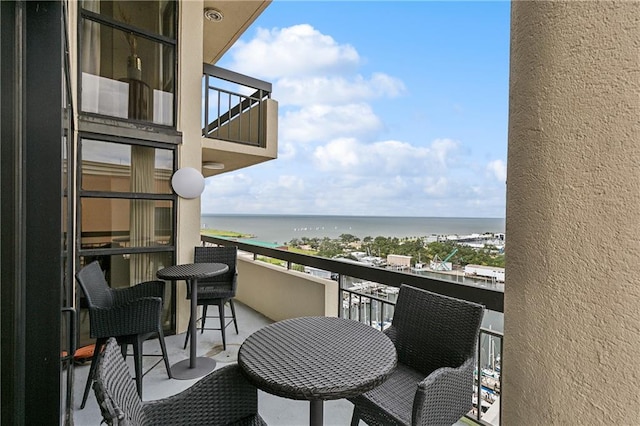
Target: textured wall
x,y
279,294
572,299
190,152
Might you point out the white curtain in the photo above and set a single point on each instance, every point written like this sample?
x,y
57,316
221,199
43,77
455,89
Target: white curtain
x,y
142,215
91,40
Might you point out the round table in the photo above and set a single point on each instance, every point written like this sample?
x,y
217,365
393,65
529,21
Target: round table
x,y
191,272
317,359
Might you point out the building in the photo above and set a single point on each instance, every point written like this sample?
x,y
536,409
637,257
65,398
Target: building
x,y
572,295
493,272
102,107
398,261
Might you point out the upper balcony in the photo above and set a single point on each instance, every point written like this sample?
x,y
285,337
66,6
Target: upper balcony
x,y
240,121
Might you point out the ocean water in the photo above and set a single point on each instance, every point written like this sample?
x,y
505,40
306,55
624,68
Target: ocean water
x,y
284,228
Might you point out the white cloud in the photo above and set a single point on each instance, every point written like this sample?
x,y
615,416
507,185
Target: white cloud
x,y
336,90
294,51
324,122
388,158
498,169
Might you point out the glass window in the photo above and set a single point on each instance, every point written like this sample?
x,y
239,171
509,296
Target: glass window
x,y
117,167
128,57
126,205
116,223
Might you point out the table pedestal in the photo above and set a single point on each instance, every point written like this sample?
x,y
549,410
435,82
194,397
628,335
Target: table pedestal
x,y
182,370
195,366
316,412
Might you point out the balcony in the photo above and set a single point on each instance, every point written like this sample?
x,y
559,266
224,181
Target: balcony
x,y
285,292
239,123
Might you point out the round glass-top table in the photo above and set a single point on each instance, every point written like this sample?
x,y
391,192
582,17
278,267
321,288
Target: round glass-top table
x,y
317,359
194,366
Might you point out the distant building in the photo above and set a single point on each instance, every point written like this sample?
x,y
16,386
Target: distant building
x,y
398,261
493,272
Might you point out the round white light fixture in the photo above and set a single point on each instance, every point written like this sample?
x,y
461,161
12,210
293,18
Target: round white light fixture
x,y
213,15
187,182
212,165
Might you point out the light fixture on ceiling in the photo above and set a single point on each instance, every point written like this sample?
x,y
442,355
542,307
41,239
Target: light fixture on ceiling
x,y
212,165
213,15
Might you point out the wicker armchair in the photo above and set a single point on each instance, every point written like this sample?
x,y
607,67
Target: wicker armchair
x,y
218,290
130,314
223,397
435,337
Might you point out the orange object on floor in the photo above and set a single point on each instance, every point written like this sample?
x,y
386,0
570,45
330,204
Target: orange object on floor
x,y
84,354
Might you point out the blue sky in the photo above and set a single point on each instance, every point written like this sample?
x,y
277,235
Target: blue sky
x,y
386,108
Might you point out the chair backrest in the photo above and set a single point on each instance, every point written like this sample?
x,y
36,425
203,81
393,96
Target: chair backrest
x,y
431,331
221,254
115,390
94,285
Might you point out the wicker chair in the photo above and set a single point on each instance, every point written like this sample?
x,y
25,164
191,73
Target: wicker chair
x,y
223,397
131,315
435,337
218,290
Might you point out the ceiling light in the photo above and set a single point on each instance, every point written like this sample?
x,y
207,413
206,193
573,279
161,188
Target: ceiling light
x,y
213,15
212,165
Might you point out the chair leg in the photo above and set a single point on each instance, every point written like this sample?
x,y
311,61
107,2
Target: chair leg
x,y
204,317
222,324
186,338
233,313
355,418
92,370
163,347
137,362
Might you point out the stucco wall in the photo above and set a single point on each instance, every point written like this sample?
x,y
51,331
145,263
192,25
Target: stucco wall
x,y
572,294
280,294
190,152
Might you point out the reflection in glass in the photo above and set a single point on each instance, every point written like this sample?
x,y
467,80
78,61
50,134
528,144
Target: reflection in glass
x,y
125,74
106,223
108,166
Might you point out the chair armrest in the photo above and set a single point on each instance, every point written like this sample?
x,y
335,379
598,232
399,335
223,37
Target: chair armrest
x,y
135,317
445,395
145,289
222,397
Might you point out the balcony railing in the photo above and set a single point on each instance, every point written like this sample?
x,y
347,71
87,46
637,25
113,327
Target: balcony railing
x,y
368,293
234,106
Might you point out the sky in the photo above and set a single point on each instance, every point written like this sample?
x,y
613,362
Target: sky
x,y
386,108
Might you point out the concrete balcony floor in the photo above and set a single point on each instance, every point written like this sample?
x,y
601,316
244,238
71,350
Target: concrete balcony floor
x,y
275,410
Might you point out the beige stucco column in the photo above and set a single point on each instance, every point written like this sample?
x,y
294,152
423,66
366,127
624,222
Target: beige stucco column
x,y
572,291
190,152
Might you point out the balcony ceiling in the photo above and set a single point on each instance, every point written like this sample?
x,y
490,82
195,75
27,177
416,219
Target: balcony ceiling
x,y
233,156
238,15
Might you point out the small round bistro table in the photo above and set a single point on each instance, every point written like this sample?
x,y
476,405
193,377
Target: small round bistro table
x,y
317,359
194,366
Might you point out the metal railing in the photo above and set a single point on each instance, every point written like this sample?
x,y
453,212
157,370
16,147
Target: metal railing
x,y
234,106
373,304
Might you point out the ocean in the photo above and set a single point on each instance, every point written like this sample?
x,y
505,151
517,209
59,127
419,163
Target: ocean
x,y
280,229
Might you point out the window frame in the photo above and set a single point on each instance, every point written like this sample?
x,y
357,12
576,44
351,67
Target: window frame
x,y
138,32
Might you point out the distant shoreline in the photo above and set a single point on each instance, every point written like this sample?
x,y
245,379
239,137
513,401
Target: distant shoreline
x,y
279,229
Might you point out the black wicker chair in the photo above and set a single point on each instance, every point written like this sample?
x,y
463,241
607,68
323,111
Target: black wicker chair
x,y
130,314
223,397
218,290
435,337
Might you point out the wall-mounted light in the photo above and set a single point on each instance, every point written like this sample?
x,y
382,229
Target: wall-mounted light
x,y
187,182
213,15
212,165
